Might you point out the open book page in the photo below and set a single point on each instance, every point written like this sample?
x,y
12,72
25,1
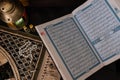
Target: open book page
x,y
69,49
115,5
101,24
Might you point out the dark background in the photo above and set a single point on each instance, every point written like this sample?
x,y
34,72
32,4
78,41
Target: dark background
x,y
40,11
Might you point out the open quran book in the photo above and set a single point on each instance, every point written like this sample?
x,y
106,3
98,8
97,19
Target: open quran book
x,y
84,41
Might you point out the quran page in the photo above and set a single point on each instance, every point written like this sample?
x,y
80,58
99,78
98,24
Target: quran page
x,y
100,22
69,49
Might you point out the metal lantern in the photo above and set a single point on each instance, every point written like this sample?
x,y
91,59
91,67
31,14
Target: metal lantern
x,y
12,12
